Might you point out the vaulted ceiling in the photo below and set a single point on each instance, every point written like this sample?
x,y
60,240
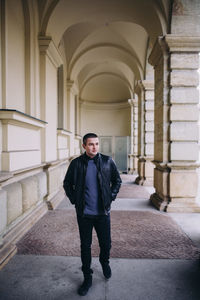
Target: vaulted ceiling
x,y
105,43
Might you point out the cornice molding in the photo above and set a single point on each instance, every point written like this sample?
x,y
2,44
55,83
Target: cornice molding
x,y
182,43
103,106
47,47
173,43
63,132
133,102
148,85
12,116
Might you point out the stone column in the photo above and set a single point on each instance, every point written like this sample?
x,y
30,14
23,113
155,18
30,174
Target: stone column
x,y
146,132
148,167
139,89
131,162
135,135
176,62
72,92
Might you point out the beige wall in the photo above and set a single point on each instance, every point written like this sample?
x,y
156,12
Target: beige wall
x,y
51,112
110,122
15,56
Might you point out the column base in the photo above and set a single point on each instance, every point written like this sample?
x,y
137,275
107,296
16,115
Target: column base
x,y
132,164
176,188
146,169
8,249
160,203
175,205
56,200
139,180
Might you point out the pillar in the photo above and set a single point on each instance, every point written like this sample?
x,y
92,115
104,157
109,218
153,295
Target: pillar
x,y
131,162
50,61
148,167
139,89
146,133
140,153
72,93
176,62
135,135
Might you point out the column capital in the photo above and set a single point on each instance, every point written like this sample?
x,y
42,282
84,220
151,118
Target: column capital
x,y
139,87
173,43
148,84
160,49
47,46
132,102
72,87
144,85
182,43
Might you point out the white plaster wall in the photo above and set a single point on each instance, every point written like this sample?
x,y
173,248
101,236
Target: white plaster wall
x,y
15,56
115,122
34,61
51,112
22,138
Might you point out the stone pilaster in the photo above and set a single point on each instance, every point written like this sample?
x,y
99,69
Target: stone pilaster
x,y
148,132
50,61
135,135
72,93
145,90
133,152
176,62
140,155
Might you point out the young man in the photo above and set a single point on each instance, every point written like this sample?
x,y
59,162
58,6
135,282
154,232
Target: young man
x,y
91,183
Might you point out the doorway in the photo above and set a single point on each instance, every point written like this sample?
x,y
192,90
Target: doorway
x,y
118,147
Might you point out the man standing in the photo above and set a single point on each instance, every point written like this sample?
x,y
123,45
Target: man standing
x,y
91,183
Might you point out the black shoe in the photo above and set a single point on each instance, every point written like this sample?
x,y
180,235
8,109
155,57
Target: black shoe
x,y
106,270
85,286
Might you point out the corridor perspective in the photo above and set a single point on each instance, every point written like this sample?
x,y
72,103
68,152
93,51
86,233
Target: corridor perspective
x,y
128,71
153,256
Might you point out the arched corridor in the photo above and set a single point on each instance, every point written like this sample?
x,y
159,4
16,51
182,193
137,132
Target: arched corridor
x,y
152,257
126,70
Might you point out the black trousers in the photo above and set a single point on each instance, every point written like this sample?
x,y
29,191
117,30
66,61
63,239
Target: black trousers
x,y
102,227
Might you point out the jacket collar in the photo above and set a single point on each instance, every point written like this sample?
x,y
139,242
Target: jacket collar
x,y
86,158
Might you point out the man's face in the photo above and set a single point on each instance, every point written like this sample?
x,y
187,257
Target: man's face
x,y
91,147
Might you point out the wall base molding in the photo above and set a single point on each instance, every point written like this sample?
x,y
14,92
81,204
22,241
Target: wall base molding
x,y
10,239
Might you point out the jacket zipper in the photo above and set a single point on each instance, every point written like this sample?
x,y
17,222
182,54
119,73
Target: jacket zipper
x,y
84,174
102,198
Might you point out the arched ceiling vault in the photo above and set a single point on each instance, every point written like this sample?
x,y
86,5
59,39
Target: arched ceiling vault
x,y
127,84
105,42
120,69
106,88
148,14
105,53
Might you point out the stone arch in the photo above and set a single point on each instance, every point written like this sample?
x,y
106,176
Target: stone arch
x,y
125,82
106,73
112,53
118,68
134,11
47,7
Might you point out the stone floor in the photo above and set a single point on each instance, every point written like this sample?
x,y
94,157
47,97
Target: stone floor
x,y
55,277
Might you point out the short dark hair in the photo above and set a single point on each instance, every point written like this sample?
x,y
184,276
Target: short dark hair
x,y
87,136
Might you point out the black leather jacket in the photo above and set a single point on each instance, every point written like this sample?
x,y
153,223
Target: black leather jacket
x,y
108,178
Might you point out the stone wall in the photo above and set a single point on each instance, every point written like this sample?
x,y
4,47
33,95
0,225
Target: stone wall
x,y
24,198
